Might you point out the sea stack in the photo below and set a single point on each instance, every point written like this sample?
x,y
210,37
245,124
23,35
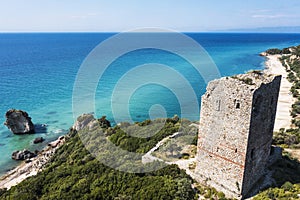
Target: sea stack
x,y
18,122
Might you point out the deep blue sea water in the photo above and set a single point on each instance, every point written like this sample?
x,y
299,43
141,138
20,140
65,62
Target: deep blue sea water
x,y
38,72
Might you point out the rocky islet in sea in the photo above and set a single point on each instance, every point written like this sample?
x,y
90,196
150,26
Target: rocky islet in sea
x,y
19,122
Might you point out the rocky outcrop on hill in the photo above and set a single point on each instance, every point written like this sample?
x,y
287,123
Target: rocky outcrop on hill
x,y
104,123
22,155
82,121
18,122
88,120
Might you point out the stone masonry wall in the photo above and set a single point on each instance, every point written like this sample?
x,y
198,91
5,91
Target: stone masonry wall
x,y
261,131
226,121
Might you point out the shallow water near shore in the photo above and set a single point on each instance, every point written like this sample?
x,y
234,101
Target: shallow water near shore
x,y
38,72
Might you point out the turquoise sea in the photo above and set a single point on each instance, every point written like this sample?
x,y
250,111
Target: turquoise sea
x,y
38,71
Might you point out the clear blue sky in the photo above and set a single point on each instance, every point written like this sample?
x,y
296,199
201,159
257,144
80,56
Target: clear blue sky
x,y
120,15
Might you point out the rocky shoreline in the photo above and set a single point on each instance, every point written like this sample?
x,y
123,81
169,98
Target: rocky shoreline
x,y
31,166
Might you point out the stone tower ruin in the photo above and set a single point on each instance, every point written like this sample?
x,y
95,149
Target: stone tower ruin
x,y
235,134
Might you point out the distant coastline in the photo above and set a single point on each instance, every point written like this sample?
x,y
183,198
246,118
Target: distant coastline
x,y
281,29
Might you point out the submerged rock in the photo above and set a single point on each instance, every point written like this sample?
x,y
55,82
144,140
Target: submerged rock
x,y
40,128
18,122
38,140
22,155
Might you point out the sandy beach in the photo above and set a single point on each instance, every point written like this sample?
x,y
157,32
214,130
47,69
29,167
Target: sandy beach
x,y
285,99
26,170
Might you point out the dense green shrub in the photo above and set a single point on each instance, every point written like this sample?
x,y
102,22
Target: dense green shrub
x,y
291,77
287,177
278,51
287,191
290,137
286,51
74,174
274,51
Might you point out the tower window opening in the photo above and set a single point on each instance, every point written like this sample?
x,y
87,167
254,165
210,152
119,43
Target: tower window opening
x,y
252,154
237,104
218,105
